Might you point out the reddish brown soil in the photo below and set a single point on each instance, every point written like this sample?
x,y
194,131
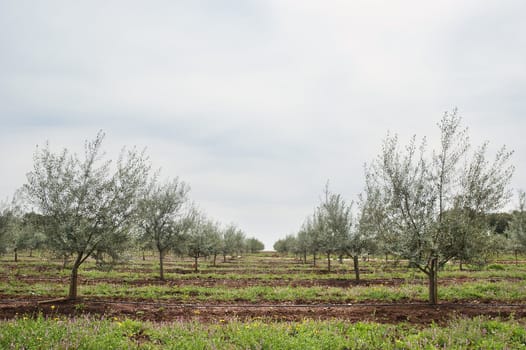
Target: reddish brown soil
x,y
417,313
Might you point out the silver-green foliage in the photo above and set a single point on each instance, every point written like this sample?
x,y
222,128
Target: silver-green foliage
x,y
430,206
517,226
6,222
163,215
89,203
201,237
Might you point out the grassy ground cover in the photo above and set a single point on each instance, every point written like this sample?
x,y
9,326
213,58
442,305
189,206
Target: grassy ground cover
x,y
263,278
252,266
114,333
498,281
504,291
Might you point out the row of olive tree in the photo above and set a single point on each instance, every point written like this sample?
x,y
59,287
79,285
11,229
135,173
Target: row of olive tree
x,y
87,206
19,231
168,221
332,230
425,206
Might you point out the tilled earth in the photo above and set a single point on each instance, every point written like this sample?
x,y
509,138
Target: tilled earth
x,y
418,313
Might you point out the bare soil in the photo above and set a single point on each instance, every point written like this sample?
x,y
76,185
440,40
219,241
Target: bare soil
x,y
416,313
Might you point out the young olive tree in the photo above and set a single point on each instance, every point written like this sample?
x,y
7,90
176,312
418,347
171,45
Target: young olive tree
x,y
302,242
286,245
32,236
434,204
232,242
517,227
341,234
373,221
335,223
164,216
315,238
254,245
89,204
7,219
200,238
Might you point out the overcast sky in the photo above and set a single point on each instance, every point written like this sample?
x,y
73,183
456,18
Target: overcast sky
x,y
256,104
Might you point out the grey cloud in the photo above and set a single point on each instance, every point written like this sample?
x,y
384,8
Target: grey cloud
x,y
257,103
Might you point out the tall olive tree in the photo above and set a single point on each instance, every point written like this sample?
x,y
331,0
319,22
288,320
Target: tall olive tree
x,y
164,216
433,202
89,202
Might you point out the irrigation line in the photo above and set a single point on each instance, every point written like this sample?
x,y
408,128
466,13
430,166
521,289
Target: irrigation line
x,y
284,306
277,306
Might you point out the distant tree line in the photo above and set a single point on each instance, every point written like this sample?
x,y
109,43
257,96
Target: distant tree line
x,y
89,207
426,206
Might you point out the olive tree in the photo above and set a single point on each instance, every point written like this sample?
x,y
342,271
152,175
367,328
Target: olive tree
x,y
164,216
89,202
341,233
335,223
517,226
7,219
232,241
314,236
200,238
286,245
432,203
302,240
254,245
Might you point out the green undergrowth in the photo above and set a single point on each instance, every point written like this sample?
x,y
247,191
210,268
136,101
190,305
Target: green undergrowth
x,y
90,333
129,274
265,265
502,291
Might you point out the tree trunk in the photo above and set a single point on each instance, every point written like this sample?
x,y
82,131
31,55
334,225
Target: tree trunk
x,y
460,265
73,282
161,265
516,260
215,258
16,255
356,268
329,262
195,264
314,259
340,259
224,257
30,252
143,256
304,256
433,282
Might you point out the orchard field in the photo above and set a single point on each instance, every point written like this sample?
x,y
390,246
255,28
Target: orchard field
x,y
263,300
